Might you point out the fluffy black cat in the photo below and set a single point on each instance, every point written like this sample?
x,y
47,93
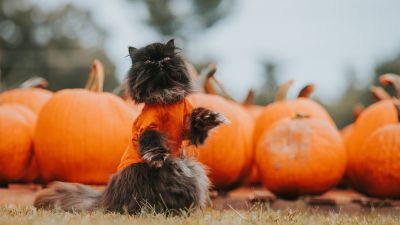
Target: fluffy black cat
x,y
164,182
158,74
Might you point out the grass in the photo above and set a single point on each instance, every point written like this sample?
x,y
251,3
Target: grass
x,y
21,215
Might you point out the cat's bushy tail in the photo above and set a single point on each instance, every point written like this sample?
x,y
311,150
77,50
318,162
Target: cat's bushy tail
x,y
68,197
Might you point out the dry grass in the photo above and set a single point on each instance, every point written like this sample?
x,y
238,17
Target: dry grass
x,y
21,215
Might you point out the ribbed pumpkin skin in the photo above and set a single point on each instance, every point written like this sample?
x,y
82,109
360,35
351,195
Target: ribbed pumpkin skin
x,y
33,98
287,109
346,133
254,110
30,117
228,150
378,114
16,135
378,170
253,177
81,135
375,116
248,122
300,156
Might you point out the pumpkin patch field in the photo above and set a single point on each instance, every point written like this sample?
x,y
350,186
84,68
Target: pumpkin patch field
x,y
199,112
275,163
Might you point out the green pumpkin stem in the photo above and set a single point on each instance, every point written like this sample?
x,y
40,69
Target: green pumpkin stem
x,y
283,89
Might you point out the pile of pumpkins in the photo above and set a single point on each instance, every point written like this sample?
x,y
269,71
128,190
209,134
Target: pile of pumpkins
x,y
79,135
291,146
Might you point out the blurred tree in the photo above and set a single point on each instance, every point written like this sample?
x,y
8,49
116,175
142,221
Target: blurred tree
x,y
57,45
185,19
266,94
342,110
353,95
388,66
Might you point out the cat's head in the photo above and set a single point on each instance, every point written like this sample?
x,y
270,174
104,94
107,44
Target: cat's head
x,y
158,74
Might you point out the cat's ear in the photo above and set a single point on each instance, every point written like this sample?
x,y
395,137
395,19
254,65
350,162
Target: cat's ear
x,y
132,51
171,43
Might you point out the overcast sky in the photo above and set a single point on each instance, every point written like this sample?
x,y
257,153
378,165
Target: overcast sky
x,y
312,40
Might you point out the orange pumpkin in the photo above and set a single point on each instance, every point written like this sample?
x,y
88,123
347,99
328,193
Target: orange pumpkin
x,y
379,94
376,116
346,131
300,156
253,110
81,134
380,175
263,119
252,178
16,135
283,108
33,98
222,177
228,150
134,106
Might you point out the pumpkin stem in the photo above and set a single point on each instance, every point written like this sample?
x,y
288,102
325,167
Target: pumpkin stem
x,y
223,90
306,91
357,110
34,82
249,98
209,88
379,93
96,77
301,116
392,79
89,82
208,74
201,80
283,89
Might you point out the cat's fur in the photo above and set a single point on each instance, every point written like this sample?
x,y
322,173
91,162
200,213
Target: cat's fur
x,y
158,74
163,183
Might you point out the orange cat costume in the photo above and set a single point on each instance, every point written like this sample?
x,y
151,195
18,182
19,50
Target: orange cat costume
x,y
172,120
